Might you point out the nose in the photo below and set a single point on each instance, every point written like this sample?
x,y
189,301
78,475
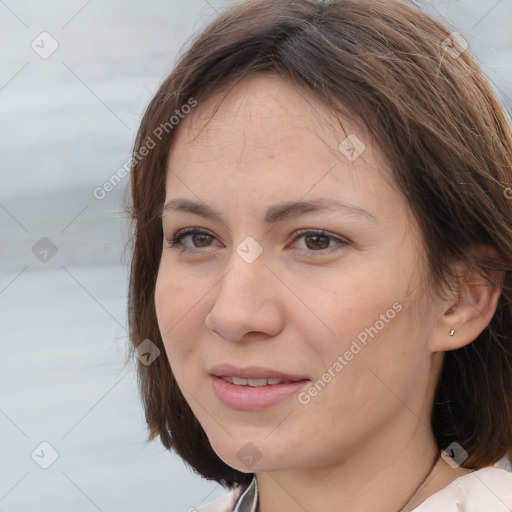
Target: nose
x,y
246,302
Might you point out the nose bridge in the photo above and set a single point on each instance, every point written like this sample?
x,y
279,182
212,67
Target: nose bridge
x,y
245,275
243,285
246,270
244,301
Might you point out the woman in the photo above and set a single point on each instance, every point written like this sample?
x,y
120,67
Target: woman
x,y
323,256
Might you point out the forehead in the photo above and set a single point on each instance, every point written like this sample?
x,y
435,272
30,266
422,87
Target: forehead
x,y
272,112
267,135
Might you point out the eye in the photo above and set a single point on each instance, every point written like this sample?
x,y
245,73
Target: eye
x,y
316,241
319,242
198,236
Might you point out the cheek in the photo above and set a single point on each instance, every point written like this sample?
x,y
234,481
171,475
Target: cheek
x,y
361,322
164,303
174,305
350,306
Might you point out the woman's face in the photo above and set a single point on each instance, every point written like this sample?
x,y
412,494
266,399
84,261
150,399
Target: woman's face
x,y
324,299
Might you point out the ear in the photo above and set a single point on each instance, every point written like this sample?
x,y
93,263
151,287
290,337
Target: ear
x,y
470,307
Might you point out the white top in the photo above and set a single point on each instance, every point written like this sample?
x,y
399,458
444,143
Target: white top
x,y
485,490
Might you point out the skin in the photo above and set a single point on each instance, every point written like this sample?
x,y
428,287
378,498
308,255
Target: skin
x,y
297,307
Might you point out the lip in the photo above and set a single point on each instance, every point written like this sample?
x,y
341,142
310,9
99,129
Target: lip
x,y
252,372
247,398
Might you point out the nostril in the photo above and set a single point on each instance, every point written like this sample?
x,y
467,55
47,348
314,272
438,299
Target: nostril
x,y
218,333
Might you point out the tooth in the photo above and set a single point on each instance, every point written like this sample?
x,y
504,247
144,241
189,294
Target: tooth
x,y
239,382
256,383
228,379
272,382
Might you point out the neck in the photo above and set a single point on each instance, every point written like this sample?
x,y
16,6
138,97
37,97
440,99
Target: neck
x,y
380,476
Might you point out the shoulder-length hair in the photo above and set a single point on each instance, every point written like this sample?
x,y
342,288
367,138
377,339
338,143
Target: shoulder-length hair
x,y
449,142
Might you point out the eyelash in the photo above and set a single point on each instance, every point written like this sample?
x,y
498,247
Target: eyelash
x,y
175,242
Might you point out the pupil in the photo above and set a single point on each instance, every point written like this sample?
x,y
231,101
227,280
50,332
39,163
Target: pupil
x,y
198,236
318,245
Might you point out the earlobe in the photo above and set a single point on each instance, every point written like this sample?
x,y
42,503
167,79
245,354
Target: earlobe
x,y
471,309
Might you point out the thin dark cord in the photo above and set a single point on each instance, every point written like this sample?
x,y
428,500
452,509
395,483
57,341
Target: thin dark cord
x,y
424,479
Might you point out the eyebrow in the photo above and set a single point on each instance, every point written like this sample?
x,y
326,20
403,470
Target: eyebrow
x,y
275,213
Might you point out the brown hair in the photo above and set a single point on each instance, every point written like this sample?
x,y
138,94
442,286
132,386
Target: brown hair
x,y
450,147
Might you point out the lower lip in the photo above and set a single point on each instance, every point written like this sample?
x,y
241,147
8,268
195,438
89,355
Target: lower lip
x,y
247,398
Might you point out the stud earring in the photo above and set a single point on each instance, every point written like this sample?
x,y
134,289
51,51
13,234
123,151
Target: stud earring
x,y
452,332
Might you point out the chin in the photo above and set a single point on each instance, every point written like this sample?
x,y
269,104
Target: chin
x,y
252,456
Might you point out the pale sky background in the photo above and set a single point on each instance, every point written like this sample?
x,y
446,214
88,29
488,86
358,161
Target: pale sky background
x,y
67,123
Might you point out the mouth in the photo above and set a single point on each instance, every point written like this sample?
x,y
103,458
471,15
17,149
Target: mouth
x,y
254,376
255,383
253,388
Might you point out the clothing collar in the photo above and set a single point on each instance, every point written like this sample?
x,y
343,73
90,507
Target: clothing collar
x,y
248,501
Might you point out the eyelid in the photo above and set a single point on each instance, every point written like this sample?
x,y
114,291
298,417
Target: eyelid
x,y
192,231
321,232
180,234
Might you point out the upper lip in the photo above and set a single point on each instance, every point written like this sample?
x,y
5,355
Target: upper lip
x,y
252,372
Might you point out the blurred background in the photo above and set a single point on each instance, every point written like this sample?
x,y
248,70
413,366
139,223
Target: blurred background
x,y
75,78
